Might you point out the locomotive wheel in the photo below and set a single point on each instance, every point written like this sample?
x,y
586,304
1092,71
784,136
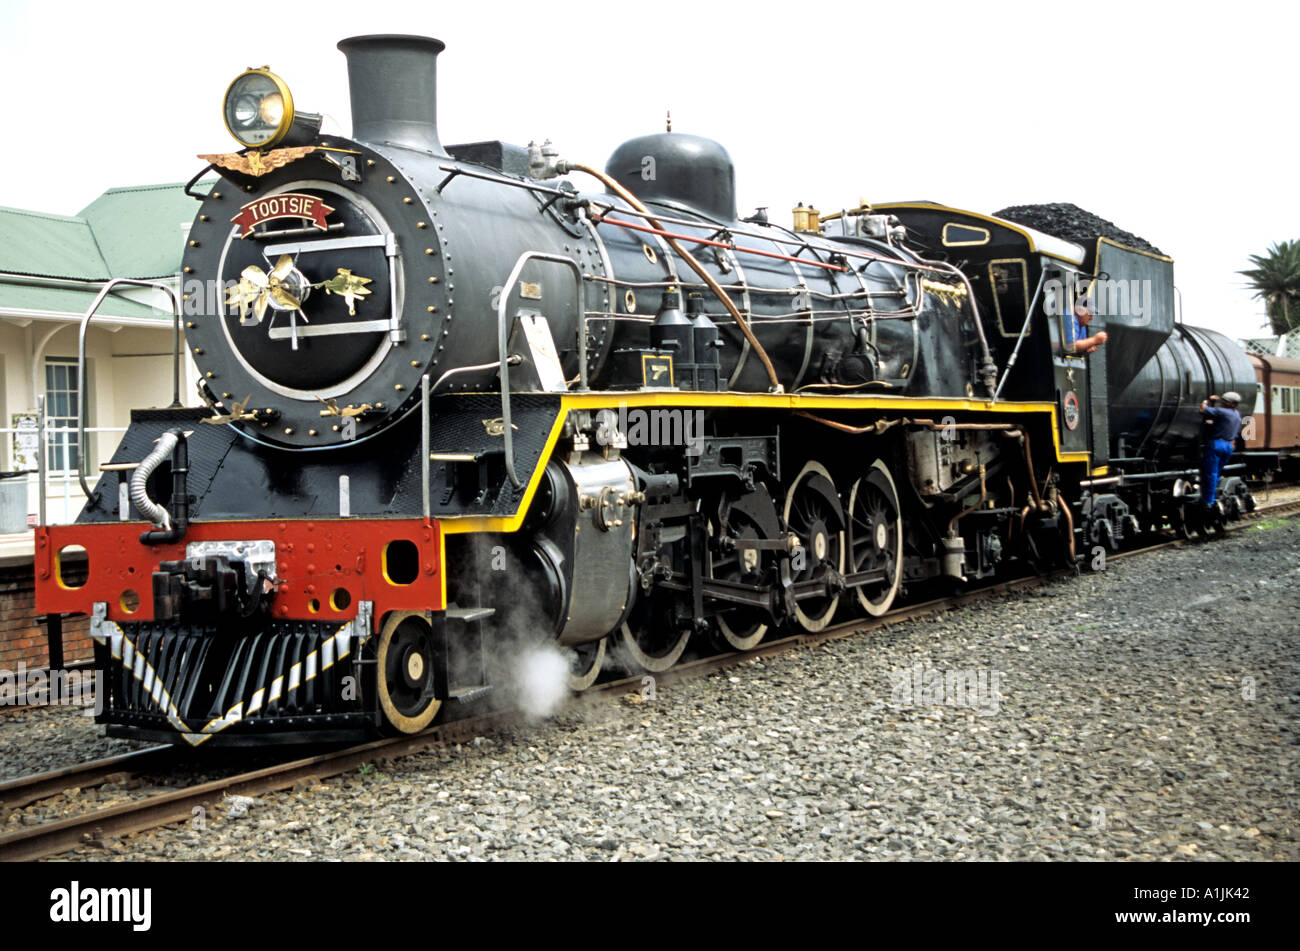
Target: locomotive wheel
x,y
875,537
586,664
813,513
647,638
1216,522
1178,522
404,672
742,628
1195,520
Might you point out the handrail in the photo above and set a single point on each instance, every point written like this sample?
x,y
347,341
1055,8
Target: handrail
x,y
81,361
502,342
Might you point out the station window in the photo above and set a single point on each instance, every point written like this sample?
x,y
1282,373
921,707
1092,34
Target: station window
x,y
62,450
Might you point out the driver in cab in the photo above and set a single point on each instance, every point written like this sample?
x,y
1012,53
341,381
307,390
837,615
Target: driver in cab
x,y
1081,343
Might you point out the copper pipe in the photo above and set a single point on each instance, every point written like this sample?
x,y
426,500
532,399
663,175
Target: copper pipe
x,y
696,266
931,424
1069,521
845,427
1029,462
729,245
1024,514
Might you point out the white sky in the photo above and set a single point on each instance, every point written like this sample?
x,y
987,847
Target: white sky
x,y
1175,121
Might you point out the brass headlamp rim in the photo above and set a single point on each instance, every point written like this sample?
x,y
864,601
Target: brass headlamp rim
x,y
286,118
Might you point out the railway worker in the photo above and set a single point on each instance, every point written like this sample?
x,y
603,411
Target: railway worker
x,y
1224,423
1081,343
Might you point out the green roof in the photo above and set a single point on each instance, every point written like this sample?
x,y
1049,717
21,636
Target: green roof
x,y
49,245
140,230
125,232
70,300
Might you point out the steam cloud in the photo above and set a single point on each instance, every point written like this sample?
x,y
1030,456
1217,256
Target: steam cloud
x,y
538,680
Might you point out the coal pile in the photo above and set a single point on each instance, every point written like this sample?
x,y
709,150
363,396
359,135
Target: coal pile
x,y
1071,222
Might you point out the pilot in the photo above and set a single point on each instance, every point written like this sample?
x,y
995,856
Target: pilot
x,y
1082,343
1224,423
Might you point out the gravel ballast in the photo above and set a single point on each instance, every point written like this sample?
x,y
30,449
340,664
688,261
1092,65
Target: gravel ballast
x,y
38,739
1148,711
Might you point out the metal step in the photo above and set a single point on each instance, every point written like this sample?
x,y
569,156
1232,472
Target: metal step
x,y
468,692
468,615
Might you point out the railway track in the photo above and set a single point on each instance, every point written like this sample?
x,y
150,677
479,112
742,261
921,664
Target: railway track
x,y
161,808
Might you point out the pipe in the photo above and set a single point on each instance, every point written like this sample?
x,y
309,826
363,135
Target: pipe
x,y
1029,463
614,186
513,360
709,242
1093,483
988,368
140,491
931,424
1069,523
180,504
845,427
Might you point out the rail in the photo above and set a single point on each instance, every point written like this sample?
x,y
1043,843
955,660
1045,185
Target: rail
x,y
81,358
503,342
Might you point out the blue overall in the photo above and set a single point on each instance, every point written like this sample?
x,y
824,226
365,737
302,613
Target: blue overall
x,y
1218,448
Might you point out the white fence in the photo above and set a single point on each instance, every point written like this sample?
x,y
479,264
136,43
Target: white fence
x,y
63,495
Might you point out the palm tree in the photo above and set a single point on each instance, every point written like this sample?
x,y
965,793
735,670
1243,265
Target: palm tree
x,y
1276,280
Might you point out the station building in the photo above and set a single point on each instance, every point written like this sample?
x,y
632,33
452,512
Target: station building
x,y
51,268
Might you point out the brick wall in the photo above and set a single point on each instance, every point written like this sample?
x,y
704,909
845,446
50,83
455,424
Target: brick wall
x,y
21,638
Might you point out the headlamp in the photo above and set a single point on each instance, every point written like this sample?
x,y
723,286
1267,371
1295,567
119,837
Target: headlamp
x,y
258,109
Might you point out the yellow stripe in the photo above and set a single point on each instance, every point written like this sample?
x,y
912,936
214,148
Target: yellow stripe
x,y
481,523
442,562
1009,225
1125,247
462,524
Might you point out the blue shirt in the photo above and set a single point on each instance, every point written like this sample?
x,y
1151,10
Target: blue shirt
x,y
1074,331
1227,422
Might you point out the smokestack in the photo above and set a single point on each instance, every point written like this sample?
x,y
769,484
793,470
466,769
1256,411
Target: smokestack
x,y
394,85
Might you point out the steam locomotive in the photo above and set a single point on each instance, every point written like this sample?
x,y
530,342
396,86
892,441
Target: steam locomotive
x,y
453,404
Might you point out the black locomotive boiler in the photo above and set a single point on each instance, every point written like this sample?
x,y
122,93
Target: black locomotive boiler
x,y
455,403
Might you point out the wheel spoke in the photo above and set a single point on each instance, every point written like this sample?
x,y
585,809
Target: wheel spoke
x,y
873,505
809,512
741,628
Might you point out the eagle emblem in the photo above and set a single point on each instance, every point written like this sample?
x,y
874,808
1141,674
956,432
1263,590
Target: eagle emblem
x,y
256,163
